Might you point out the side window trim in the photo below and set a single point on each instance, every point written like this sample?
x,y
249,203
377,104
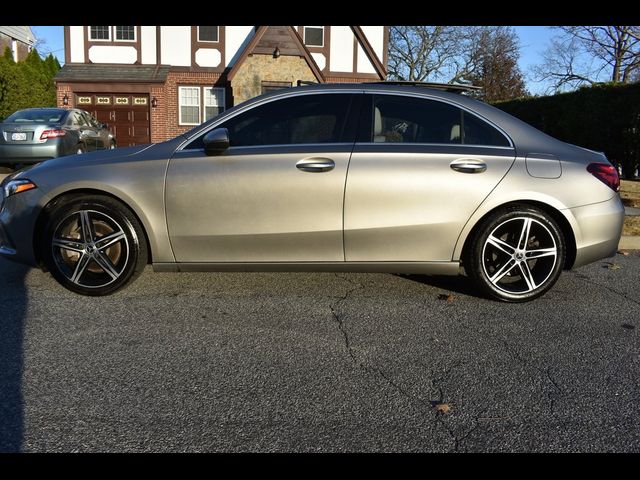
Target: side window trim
x,y
365,135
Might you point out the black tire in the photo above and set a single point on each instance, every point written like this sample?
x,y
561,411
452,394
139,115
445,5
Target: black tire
x,y
113,257
112,145
511,269
80,149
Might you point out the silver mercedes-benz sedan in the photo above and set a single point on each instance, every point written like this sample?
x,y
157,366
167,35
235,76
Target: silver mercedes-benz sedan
x,y
367,178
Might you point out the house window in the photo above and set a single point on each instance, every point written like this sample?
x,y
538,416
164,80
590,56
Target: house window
x,y
208,34
213,102
125,33
100,33
198,104
314,36
189,105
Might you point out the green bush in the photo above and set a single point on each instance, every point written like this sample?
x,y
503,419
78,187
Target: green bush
x,y
26,84
605,118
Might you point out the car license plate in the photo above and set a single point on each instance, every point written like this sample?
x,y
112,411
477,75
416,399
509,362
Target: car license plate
x,y
17,136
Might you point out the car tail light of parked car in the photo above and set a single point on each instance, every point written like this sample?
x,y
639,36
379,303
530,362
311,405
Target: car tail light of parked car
x,y
606,173
52,134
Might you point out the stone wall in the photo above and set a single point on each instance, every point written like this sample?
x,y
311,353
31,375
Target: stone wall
x,y
247,82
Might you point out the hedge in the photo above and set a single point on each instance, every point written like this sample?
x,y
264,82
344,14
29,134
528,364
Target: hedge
x,y
28,83
605,118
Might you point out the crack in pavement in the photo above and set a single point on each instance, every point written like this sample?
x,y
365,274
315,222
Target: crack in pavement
x,y
606,287
545,373
429,406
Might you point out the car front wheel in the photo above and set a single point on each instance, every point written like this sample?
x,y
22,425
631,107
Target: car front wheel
x,y
517,254
93,245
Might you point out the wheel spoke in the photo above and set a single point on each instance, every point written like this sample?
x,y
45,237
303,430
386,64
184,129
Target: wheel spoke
x,y
506,268
81,266
542,252
524,234
501,245
528,277
86,226
70,245
108,240
105,264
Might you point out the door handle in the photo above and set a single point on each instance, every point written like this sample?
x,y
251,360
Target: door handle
x,y
315,165
468,165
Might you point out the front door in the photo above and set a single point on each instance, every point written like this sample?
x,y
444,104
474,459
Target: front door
x,y
276,195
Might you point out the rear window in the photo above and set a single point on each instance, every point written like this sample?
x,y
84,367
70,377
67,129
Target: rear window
x,y
36,116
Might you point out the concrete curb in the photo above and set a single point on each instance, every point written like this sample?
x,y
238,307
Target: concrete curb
x,y
628,242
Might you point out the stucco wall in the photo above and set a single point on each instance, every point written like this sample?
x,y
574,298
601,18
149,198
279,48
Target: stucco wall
x,y
247,82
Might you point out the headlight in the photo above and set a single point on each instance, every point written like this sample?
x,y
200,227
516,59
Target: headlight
x,y
18,185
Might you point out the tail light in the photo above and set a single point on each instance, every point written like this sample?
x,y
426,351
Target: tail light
x,y
606,173
52,134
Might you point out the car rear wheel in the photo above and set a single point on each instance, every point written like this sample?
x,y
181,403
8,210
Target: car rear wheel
x,y
80,149
112,145
517,254
93,245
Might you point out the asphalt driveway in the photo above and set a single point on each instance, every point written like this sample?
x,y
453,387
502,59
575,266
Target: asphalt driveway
x,y
320,362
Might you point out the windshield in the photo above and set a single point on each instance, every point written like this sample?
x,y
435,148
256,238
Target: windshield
x,y
36,116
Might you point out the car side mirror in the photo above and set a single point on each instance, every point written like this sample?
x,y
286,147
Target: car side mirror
x,y
216,141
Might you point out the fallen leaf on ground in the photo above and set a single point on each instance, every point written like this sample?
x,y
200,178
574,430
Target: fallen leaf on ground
x,y
614,266
623,252
443,408
446,296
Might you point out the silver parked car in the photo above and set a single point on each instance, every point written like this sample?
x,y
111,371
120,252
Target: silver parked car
x,y
36,134
368,178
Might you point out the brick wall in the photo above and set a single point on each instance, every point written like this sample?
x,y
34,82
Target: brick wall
x,y
61,90
168,119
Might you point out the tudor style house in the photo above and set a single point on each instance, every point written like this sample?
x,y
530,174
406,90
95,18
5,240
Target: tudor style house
x,y
151,83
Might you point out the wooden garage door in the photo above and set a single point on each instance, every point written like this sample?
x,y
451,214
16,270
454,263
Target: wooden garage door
x,y
126,114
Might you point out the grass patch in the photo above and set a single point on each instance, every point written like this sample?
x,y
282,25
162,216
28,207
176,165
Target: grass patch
x,y
630,192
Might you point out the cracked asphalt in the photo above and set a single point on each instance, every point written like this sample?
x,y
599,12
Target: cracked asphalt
x,y
231,362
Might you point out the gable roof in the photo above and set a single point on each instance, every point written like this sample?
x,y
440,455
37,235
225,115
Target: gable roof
x,y
21,33
262,43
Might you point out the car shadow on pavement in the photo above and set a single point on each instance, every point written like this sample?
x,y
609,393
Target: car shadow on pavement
x,y
13,310
457,284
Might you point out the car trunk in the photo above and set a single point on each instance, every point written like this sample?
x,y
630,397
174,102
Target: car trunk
x,y
22,133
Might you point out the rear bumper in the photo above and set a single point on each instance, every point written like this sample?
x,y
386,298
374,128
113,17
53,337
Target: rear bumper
x,y
16,153
599,230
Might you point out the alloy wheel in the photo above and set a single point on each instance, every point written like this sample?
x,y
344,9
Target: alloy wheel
x,y
519,255
90,248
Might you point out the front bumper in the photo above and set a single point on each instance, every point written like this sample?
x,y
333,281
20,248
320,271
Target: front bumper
x,y
18,216
599,227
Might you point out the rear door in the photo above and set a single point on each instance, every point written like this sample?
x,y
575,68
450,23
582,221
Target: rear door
x,y
418,171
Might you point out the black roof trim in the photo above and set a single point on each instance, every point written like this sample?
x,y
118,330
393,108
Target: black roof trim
x,y
447,87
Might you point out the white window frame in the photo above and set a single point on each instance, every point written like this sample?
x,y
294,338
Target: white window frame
x,y
207,41
304,36
180,105
204,105
135,35
91,39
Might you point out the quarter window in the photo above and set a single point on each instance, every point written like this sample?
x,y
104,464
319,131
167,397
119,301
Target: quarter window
x,y
314,36
412,120
126,33
208,34
100,33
